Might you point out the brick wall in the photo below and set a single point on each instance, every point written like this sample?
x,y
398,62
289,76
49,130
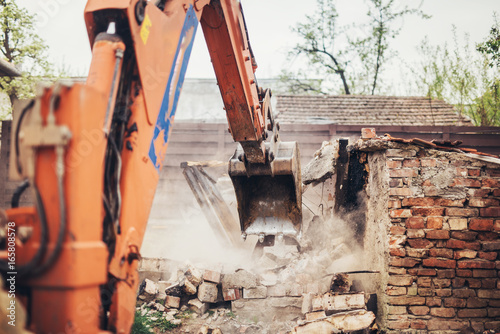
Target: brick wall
x,y
442,262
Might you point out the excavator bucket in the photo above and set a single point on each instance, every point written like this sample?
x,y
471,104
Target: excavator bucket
x,y
269,195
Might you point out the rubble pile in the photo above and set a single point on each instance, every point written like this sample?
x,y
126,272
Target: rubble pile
x,y
290,286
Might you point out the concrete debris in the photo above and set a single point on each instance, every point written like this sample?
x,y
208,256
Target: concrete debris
x,y
341,283
172,302
148,290
240,279
231,294
255,293
339,322
189,288
194,276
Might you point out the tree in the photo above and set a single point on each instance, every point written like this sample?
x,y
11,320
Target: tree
x,y
491,47
463,76
340,53
20,45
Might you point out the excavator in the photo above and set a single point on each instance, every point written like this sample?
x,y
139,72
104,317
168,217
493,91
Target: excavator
x,y
91,154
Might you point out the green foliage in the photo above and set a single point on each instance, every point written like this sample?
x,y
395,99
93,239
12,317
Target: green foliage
x,y
491,47
343,60
461,75
21,46
144,324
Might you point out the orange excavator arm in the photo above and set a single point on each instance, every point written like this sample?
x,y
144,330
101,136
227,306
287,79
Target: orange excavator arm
x,y
92,153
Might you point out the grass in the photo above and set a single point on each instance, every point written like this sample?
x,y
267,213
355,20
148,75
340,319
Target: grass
x,y
184,315
144,324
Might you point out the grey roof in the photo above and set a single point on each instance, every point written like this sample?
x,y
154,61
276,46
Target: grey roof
x,y
367,109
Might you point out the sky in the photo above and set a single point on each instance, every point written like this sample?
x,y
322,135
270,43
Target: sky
x,y
61,25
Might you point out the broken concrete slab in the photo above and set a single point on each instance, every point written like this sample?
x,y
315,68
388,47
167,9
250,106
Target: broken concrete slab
x,y
148,290
315,315
323,164
331,302
207,292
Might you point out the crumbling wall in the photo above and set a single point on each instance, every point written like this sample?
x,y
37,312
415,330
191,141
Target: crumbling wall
x,y
441,254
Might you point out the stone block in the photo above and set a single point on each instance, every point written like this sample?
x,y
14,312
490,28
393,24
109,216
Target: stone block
x,y
198,306
315,315
207,292
172,302
211,276
239,279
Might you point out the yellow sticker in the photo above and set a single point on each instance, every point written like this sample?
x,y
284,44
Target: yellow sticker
x,y
145,29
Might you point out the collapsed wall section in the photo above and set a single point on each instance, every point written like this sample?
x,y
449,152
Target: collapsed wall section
x,y
442,219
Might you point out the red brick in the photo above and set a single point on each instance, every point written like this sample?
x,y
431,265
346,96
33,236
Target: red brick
x,y
422,272
481,192
484,273
488,294
496,226
446,273
464,235
475,264
491,183
472,313
496,192
433,301
459,282
398,324
461,182
488,283
424,282
397,252
465,253
441,252
403,173
428,162
398,230
418,201
420,243
450,202
400,192
430,191
493,312
460,244
393,163
419,310
426,212
476,283
490,212
396,290
415,233
406,300
400,213
464,293
474,172
441,282
459,212
439,263
415,222
418,253
443,292
435,223
454,302
438,234
475,302
487,236
483,202
418,324
411,163
481,224
443,312
493,172
403,262
490,256
491,246
464,273
427,183
394,204
425,292
436,324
